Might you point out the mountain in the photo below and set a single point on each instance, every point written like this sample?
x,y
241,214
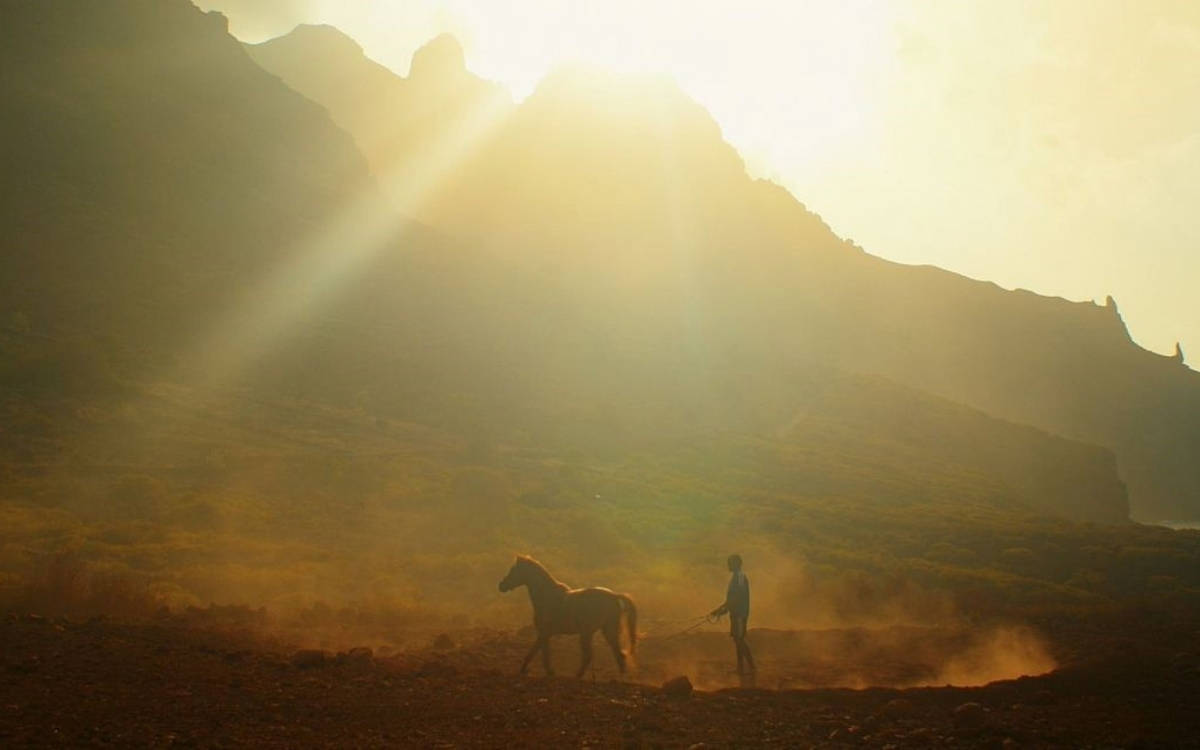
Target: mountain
x,y
404,126
152,169
166,221
623,189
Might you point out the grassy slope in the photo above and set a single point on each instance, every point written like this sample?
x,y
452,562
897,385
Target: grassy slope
x,y
240,499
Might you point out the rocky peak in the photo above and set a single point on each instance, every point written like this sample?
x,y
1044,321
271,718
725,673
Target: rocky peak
x,y
440,57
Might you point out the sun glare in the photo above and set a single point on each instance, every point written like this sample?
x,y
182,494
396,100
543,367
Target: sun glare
x,y
741,65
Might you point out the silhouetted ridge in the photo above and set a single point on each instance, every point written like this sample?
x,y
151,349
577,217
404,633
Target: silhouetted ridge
x,y
621,173
440,56
323,39
407,127
625,185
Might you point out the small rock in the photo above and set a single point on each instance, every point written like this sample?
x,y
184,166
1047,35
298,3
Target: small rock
x,y
898,708
436,669
1043,698
970,716
1184,663
26,665
309,658
680,687
360,656
443,643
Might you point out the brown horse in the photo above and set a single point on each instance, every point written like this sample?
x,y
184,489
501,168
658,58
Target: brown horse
x,y
559,610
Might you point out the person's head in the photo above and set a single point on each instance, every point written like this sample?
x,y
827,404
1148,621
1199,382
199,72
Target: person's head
x,y
735,563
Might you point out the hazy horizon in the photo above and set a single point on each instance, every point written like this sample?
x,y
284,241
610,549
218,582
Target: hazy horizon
x,y
1008,144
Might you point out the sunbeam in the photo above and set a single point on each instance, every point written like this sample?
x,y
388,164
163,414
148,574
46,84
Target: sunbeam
x,y
278,307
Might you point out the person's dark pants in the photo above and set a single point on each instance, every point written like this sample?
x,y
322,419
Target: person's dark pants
x,y
737,629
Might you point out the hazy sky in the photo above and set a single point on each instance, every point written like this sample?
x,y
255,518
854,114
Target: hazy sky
x,y
1051,145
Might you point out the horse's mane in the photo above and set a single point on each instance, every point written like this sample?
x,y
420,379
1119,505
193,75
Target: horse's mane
x,y
542,572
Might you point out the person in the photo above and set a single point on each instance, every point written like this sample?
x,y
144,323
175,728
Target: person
x,y
737,606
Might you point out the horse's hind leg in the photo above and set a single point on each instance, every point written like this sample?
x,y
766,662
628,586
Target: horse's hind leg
x,y
612,634
585,651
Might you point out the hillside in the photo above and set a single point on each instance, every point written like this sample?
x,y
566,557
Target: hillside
x,y
152,172
623,188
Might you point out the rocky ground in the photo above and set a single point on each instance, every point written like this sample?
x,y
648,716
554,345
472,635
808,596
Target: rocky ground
x,y
101,683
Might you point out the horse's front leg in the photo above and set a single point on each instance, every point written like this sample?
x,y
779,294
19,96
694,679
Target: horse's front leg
x,y
540,643
585,650
546,656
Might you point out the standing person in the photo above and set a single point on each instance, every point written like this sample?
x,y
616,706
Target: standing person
x,y
737,604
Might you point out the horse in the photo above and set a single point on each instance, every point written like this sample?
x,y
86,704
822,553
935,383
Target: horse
x,y
561,610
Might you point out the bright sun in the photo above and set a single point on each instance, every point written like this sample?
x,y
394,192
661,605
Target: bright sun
x,y
793,84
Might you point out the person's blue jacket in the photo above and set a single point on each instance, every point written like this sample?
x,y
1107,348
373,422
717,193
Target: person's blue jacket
x,y
737,596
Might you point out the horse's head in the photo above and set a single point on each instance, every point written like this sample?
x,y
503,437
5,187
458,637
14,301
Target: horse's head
x,y
517,575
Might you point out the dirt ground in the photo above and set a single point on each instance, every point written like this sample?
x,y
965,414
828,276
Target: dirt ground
x,y
1123,683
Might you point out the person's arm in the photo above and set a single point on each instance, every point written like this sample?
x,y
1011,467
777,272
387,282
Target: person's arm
x,y
724,606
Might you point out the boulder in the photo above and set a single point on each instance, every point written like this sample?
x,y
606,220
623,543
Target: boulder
x,y
679,687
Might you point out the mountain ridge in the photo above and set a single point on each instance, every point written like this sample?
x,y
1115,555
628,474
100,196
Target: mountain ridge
x,y
559,171
427,328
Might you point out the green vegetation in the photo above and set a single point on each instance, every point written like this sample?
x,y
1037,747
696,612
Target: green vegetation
x,y
161,499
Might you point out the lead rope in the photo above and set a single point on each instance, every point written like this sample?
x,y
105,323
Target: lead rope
x,y
708,619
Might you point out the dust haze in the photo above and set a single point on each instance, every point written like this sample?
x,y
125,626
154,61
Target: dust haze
x,y
297,347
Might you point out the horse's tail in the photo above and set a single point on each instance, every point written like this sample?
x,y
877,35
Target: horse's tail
x,y
630,610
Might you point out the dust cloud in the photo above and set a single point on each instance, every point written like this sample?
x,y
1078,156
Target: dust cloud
x,y
810,628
